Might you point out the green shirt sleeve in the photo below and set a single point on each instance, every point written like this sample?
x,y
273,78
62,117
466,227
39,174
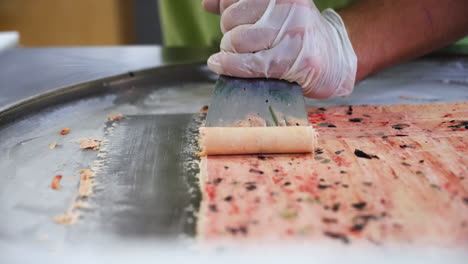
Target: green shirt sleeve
x,y
185,23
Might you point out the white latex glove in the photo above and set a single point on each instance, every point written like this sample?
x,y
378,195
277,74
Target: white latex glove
x,y
286,39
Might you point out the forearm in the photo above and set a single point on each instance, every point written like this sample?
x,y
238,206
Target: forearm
x,y
386,32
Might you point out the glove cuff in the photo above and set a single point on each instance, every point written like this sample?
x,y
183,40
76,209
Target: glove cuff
x,y
348,55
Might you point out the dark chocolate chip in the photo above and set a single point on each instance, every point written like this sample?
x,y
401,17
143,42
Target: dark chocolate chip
x,y
217,181
400,126
362,154
360,221
243,230
323,186
360,205
350,110
251,187
213,208
329,220
326,124
367,183
338,236
256,171
336,207
232,230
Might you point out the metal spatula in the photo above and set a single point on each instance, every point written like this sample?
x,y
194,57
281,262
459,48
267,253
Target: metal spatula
x,y
256,102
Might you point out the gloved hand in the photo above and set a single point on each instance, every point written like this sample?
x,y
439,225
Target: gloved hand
x,y
285,39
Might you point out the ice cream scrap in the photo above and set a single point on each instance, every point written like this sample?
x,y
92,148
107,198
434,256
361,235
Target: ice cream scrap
x,y
115,117
65,131
86,183
90,143
55,185
250,121
84,191
53,145
68,218
80,205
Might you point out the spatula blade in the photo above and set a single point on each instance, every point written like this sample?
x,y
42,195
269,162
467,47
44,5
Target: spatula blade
x,y
256,102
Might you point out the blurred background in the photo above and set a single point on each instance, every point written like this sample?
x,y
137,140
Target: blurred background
x,y
117,22
82,22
